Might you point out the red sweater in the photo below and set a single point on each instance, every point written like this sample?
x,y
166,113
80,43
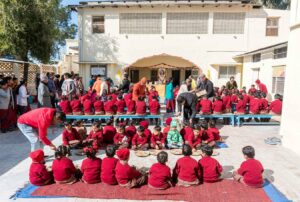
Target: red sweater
x,y
76,106
87,106
63,169
38,174
251,170
90,169
215,132
120,137
160,137
159,175
68,136
140,107
186,169
207,136
166,130
255,106
240,106
110,107
125,173
234,98
96,136
108,172
120,106
217,106
40,119
276,106
114,97
127,97
154,107
65,106
108,134
194,141
252,90
186,132
130,106
130,131
226,102
262,87
98,106
264,104
206,106
139,140
246,98
211,169
148,133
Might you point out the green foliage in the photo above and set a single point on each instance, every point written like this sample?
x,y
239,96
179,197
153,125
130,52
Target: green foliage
x,y
34,28
275,4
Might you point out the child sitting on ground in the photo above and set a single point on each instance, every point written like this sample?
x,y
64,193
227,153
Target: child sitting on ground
x,y
276,105
95,137
255,105
120,104
158,140
109,106
240,107
130,130
38,173
130,104
109,132
81,129
210,168
91,166
160,173
154,106
140,140
207,137
70,135
88,106
76,106
147,132
214,131
140,107
65,105
226,101
121,139
251,170
108,172
217,105
174,138
126,175
64,171
252,89
186,131
167,128
194,139
98,106
205,105
187,170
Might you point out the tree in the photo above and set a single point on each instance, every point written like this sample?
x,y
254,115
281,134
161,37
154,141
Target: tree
x,y
275,4
34,29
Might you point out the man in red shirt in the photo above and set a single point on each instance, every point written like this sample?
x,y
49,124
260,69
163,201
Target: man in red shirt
x,y
262,87
34,125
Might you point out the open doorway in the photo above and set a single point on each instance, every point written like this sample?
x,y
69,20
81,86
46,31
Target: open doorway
x,y
176,77
188,73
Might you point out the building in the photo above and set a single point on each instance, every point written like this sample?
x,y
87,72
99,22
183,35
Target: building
x,y
70,58
176,38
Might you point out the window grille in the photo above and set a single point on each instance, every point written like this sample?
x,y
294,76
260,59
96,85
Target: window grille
x,y
229,23
226,72
98,24
272,26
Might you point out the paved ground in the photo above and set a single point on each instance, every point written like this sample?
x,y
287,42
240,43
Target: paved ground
x,y
281,165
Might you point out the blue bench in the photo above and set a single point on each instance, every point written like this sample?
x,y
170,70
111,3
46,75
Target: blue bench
x,y
88,117
218,116
258,116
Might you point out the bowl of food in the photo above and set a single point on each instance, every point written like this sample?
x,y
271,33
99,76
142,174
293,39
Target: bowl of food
x,y
140,153
176,151
154,152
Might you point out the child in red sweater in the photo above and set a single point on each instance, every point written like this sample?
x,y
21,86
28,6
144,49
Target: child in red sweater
x,y
160,173
264,104
95,137
76,106
252,89
186,171
81,129
140,106
120,104
158,140
38,173
255,105
121,139
251,170
217,106
211,169
65,105
167,128
140,140
186,131
91,166
205,105
234,96
147,132
214,130
88,106
70,136
126,175
109,106
130,104
154,106
98,106
130,129
109,132
64,171
152,93
207,137
194,139
108,169
240,107
226,101
276,105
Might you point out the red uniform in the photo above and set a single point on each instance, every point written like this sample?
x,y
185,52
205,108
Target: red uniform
x,y
159,176
121,138
114,97
151,94
234,98
252,90
120,104
252,170
193,140
87,106
205,105
246,98
215,132
148,133
125,173
98,106
211,169
127,97
110,107
207,136
160,137
84,97
108,134
40,119
166,130
68,136
187,169
108,172
140,107
91,169
76,106
130,106
255,106
226,102
154,107
186,132
130,131
262,87
63,169
264,104
217,106
38,174
240,106
96,136
65,107
276,106
139,140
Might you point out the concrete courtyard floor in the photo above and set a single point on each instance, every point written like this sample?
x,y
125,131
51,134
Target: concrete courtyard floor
x,y
281,165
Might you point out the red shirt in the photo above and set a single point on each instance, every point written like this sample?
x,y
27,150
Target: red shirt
x,y
206,106
90,169
193,140
215,132
154,107
251,170
140,107
252,90
254,106
110,107
96,136
186,132
211,169
121,138
124,173
87,106
68,136
139,140
187,169
130,106
65,106
262,87
246,98
226,101
130,131
234,98
114,97
160,137
276,106
38,174
40,119
108,172
76,106
264,104
207,136
120,106
98,106
166,130
148,133
84,97
127,97
240,106
108,134
217,106
159,175
63,169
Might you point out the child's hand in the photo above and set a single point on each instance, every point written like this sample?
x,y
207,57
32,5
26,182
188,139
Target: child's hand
x,y
157,147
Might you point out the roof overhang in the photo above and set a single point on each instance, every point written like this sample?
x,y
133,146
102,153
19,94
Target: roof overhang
x,y
94,62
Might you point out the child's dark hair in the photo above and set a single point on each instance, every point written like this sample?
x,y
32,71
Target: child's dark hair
x,y
249,151
109,121
154,97
197,127
141,98
121,126
63,97
78,122
204,125
264,95
120,96
60,116
62,151
162,157
207,150
110,151
90,152
218,98
277,96
140,129
68,122
212,124
240,96
186,150
157,128
186,122
97,124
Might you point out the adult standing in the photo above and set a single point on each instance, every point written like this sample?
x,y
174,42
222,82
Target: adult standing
x,y
188,102
231,84
34,125
22,97
124,86
262,87
12,112
52,88
97,85
139,89
205,84
44,99
78,85
170,96
92,81
4,102
68,87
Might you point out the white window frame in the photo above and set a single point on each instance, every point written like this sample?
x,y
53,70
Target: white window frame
x,y
228,74
275,84
101,24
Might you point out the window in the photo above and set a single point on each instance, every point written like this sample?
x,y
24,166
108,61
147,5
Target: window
x,y
154,74
280,53
134,76
272,26
98,24
140,23
256,57
226,72
187,23
278,77
99,70
229,23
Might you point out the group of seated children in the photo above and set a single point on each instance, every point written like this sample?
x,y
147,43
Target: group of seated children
x,y
112,171
115,103
240,102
